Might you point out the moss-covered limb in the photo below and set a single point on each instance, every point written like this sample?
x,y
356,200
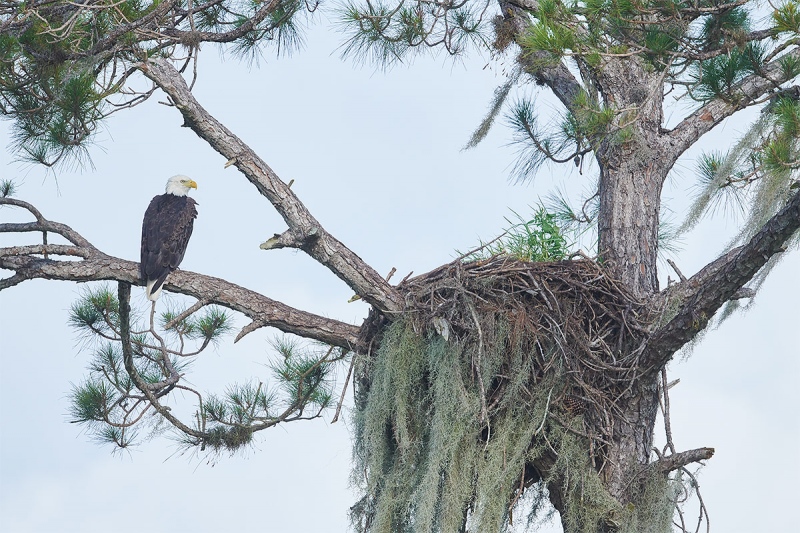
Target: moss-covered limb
x,y
42,224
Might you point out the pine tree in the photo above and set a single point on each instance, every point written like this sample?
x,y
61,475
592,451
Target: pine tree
x,y
519,372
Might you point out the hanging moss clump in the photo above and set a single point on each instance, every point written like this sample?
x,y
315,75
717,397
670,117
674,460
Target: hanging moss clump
x,y
500,379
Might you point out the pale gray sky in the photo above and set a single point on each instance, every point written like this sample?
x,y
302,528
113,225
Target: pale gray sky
x,y
376,158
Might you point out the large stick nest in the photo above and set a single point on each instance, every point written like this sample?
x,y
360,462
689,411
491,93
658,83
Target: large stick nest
x,y
499,374
572,316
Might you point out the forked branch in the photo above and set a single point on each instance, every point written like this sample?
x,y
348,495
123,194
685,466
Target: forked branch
x,y
36,261
307,233
747,92
212,424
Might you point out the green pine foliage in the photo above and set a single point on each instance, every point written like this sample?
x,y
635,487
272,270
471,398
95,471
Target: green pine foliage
x,y
95,312
387,33
305,379
283,31
8,188
716,77
64,66
209,325
114,410
302,390
533,148
568,141
720,27
786,17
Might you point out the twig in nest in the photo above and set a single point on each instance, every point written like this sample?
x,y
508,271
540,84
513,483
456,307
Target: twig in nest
x,y
344,390
676,269
478,373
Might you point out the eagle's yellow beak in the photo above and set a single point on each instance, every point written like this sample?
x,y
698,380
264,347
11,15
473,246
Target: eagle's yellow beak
x,y
192,184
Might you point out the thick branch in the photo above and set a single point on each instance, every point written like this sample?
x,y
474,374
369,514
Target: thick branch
x,y
315,241
259,308
26,263
705,292
678,460
557,77
770,77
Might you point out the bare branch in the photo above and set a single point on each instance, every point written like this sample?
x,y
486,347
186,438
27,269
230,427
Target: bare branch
x,y
46,249
306,231
676,269
41,224
264,310
678,460
185,314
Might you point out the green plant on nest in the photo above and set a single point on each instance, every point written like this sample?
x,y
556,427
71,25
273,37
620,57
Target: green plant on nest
x,y
538,239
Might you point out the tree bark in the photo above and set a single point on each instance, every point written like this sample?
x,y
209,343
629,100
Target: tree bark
x,y
630,191
36,261
631,173
305,232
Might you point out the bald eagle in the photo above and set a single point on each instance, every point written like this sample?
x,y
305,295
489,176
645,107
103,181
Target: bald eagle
x,y
166,229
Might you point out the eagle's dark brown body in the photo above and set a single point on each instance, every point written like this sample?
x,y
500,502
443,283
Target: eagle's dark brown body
x,y
166,229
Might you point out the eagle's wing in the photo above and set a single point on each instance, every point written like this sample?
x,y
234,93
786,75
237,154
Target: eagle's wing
x,y
167,226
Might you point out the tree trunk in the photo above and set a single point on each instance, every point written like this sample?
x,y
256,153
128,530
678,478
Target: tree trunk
x,y
632,440
631,174
628,218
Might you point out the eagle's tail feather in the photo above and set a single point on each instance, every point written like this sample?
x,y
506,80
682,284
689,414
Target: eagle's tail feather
x,y
152,291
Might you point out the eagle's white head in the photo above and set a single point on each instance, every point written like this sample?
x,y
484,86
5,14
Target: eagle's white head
x,y
179,185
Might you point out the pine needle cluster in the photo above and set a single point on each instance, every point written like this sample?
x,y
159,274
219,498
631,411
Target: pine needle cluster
x,y
387,33
64,66
120,400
